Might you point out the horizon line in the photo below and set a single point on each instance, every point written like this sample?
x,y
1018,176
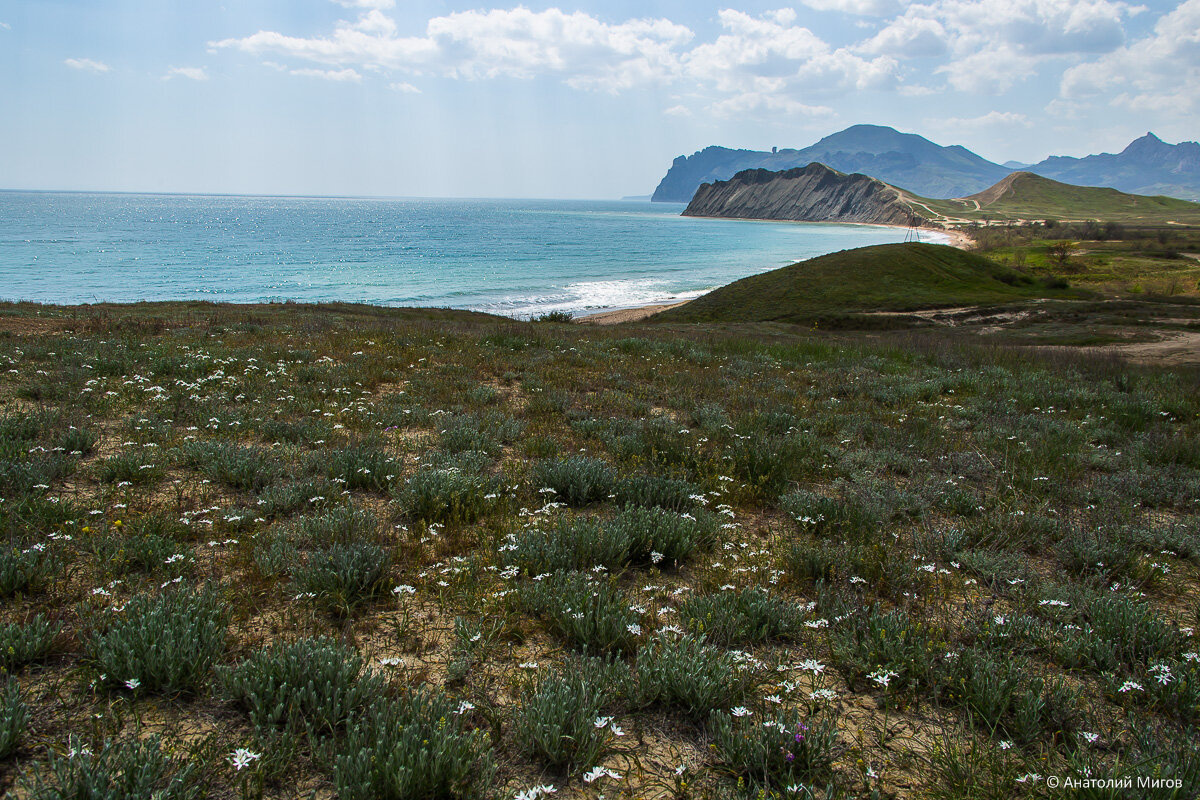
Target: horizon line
x,y
307,196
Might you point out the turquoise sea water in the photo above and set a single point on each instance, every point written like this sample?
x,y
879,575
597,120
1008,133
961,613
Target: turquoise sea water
x,y
513,257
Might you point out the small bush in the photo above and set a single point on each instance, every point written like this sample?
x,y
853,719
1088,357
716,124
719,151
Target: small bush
x,y
24,570
119,769
558,721
166,643
652,491
343,575
768,464
850,519
570,544
121,555
872,642
588,614
14,718
1117,631
576,480
746,616
783,751
281,499
686,673
485,433
313,686
140,469
417,746
448,495
343,525
28,643
664,537
246,469
362,466
1005,697
472,640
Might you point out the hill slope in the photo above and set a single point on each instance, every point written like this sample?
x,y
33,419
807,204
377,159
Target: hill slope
x,y
887,277
1147,166
1023,195
814,193
902,159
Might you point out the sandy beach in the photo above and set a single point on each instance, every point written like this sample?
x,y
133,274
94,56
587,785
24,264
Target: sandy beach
x,y
625,314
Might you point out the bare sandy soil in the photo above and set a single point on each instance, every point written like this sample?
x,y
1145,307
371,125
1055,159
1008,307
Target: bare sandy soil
x,y
625,314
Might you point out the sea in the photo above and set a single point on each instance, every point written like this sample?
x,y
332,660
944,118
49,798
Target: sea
x,y
519,258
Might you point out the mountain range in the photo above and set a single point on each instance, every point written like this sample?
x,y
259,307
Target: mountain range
x,y
1147,166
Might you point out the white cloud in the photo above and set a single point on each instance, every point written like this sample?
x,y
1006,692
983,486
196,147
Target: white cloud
x,y
5,26
516,43
678,111
191,73
339,75
87,65
910,36
1159,72
874,8
766,65
993,119
404,88
993,44
766,104
379,4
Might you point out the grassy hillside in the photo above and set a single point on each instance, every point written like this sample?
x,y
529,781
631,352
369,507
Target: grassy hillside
x,y
1024,196
888,277
370,553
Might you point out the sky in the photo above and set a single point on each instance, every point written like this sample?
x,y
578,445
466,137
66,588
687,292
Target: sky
x,y
428,98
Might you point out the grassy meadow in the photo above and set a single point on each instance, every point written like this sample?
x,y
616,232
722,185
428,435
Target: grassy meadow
x,y
294,551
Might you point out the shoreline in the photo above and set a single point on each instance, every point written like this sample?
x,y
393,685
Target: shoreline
x,y
957,238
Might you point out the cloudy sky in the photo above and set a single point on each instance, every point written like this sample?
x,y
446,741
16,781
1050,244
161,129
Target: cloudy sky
x,y
583,99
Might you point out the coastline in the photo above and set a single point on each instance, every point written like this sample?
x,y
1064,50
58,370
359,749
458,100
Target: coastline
x,y
620,315
956,237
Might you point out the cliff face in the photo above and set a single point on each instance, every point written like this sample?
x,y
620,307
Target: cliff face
x,y
814,193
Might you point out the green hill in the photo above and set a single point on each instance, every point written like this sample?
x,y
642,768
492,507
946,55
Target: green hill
x,y
887,277
1025,196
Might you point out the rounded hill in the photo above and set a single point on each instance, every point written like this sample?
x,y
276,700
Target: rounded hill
x,y
886,277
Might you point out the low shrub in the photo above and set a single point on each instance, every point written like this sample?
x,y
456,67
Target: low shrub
x,y
558,721
873,644
742,616
245,469
685,673
663,537
448,495
14,718
651,491
589,614
160,644
785,750
419,745
118,769
359,467
576,480
570,543
343,575
314,686
25,570
27,643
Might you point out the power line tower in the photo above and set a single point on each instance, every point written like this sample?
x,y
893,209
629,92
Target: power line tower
x,y
913,234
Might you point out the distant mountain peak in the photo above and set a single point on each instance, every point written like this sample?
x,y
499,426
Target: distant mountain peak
x,y
900,159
